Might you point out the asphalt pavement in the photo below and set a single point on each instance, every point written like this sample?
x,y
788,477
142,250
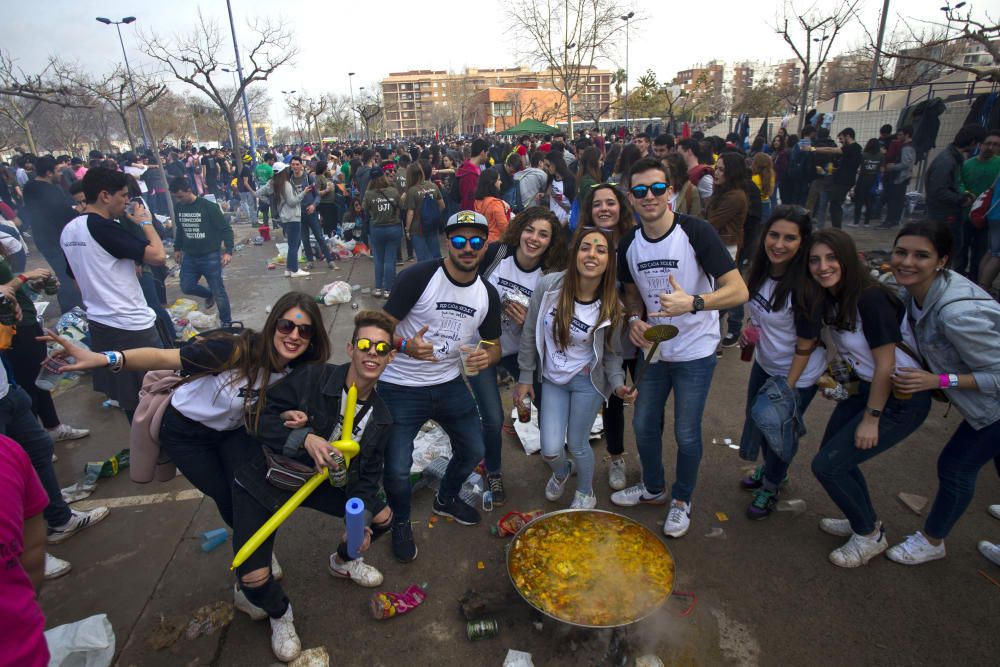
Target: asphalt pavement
x,y
763,592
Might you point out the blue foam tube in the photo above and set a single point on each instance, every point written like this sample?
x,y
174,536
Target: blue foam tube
x,y
354,517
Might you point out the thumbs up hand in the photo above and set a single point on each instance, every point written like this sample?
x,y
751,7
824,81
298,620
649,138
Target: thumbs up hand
x,y
418,348
675,302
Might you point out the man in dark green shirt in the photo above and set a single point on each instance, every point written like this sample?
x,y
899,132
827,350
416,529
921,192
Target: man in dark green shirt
x,y
200,229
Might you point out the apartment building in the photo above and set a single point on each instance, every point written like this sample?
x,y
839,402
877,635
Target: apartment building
x,y
424,101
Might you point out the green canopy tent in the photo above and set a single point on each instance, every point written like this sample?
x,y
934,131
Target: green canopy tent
x,y
530,126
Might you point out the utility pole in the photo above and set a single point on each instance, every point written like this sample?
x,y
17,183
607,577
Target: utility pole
x,y
243,92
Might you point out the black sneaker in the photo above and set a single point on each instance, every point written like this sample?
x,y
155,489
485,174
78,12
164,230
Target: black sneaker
x,y
730,339
456,508
209,301
403,546
495,482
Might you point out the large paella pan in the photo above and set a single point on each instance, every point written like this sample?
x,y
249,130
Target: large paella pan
x,y
590,568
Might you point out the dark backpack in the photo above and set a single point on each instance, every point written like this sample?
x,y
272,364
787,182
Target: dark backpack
x,y
455,192
430,213
513,198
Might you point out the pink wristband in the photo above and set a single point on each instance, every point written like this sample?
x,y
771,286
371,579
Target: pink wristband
x,y
943,381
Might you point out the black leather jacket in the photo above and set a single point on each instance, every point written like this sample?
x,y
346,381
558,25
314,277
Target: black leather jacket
x,y
316,390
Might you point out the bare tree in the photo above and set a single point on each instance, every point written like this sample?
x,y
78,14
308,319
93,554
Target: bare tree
x,y
811,33
568,38
941,44
371,108
196,59
309,111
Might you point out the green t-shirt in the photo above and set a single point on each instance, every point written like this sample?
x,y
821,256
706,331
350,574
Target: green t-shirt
x,y
978,175
201,228
382,206
264,172
345,169
28,312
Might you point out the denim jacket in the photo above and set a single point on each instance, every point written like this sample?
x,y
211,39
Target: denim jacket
x,y
606,372
778,421
959,333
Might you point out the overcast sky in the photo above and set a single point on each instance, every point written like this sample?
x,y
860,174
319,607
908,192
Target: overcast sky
x,y
375,38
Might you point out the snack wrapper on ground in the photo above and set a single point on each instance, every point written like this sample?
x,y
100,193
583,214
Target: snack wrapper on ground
x,y
386,604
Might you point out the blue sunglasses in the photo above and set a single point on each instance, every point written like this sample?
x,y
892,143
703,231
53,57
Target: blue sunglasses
x,y
640,191
474,242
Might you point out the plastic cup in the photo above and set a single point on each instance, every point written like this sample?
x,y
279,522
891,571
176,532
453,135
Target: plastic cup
x,y
465,351
524,410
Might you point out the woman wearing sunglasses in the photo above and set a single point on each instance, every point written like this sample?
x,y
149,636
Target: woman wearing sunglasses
x,y
956,325
867,324
605,207
204,430
533,244
303,414
572,334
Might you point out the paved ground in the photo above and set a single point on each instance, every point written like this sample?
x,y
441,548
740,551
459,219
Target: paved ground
x,y
765,591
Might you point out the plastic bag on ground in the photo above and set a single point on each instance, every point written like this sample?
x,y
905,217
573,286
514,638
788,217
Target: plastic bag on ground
x,y
86,643
203,321
336,292
429,444
527,433
181,307
518,659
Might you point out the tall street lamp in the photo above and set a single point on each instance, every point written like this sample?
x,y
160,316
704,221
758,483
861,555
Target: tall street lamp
x,y
948,9
626,18
354,118
239,72
128,72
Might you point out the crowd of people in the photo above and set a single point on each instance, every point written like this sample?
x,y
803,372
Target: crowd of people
x,y
557,263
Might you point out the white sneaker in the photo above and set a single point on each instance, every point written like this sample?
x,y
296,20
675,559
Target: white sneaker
x,y
616,474
839,527
356,570
914,550
377,293
991,551
636,494
583,502
67,432
250,609
284,640
55,567
296,274
678,519
276,572
859,550
77,522
994,511
555,486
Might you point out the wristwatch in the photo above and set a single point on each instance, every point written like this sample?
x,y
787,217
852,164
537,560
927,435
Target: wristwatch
x,y
873,412
698,305
633,318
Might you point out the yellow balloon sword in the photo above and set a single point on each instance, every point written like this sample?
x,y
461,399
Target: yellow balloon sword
x,y
348,447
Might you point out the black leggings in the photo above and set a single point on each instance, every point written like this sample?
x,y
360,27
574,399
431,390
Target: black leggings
x,y
614,416
208,458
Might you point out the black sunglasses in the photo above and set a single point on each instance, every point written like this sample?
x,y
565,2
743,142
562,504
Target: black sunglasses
x,y
590,228
474,242
382,348
286,327
640,191
605,184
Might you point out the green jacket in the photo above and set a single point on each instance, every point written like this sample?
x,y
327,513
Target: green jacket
x,y
201,227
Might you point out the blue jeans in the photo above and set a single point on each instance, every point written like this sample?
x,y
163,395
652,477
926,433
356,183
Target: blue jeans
x,y
311,223
451,405
691,380
774,468
958,466
193,267
487,393
164,323
566,416
836,465
69,294
426,246
385,244
293,234
18,423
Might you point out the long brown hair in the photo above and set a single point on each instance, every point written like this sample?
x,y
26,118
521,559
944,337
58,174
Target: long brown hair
x,y
838,310
763,166
626,216
611,308
254,358
278,183
554,257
